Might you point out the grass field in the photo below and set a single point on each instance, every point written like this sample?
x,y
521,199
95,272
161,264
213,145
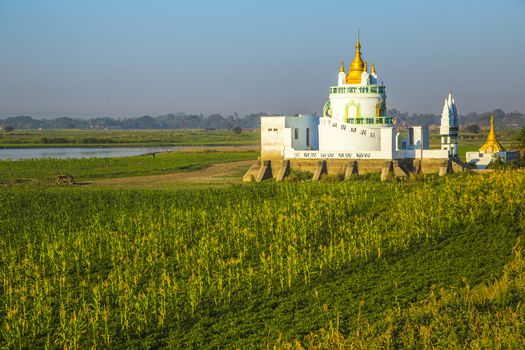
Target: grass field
x,y
125,138
403,264
165,252
43,171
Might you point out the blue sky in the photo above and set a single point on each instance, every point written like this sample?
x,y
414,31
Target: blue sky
x,y
130,57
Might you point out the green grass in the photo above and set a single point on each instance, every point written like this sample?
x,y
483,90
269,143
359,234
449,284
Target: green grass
x,y
252,265
125,138
45,170
489,315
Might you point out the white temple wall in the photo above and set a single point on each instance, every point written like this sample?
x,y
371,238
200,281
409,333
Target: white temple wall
x,y
366,103
286,136
337,135
482,160
273,134
284,132
388,141
304,132
335,154
418,136
416,154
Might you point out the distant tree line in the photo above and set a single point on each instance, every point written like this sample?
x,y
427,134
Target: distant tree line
x,y
473,119
169,121
235,122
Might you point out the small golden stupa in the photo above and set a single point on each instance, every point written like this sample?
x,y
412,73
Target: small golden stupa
x,y
492,145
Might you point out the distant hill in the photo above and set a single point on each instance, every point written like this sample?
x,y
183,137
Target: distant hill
x,y
217,121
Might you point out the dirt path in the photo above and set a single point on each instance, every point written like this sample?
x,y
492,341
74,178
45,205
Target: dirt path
x,y
215,174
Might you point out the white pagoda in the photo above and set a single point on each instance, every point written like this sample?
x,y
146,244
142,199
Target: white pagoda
x,y
354,125
449,126
357,105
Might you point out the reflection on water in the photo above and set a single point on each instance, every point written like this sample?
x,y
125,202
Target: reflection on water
x,y
28,153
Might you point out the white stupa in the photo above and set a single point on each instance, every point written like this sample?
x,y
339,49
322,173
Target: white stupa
x,y
449,127
354,125
357,105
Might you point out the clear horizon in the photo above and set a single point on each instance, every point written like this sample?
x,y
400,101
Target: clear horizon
x,y
131,58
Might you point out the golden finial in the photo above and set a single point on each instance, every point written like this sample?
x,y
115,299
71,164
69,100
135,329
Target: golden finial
x,y
492,133
365,69
357,66
373,69
342,68
492,145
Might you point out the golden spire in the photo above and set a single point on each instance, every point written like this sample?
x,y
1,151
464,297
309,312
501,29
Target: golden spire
x,y
373,69
342,68
492,133
364,70
357,66
492,145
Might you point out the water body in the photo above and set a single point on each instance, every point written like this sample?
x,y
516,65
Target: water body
x,y
77,152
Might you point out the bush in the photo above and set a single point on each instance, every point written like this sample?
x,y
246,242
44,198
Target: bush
x,y
499,164
92,140
237,130
51,140
473,128
299,175
519,141
333,178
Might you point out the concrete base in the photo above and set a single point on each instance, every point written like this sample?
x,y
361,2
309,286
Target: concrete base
x,y
398,171
459,166
265,172
387,172
340,166
400,168
417,168
259,171
320,170
284,171
445,168
393,169
352,170
251,174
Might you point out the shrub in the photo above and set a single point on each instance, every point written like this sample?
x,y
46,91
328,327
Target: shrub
x,y
299,175
473,128
332,178
237,130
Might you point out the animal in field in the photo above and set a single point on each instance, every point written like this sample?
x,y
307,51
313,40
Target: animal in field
x,y
66,178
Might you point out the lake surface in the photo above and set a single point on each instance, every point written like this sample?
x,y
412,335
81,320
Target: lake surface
x,y
77,152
